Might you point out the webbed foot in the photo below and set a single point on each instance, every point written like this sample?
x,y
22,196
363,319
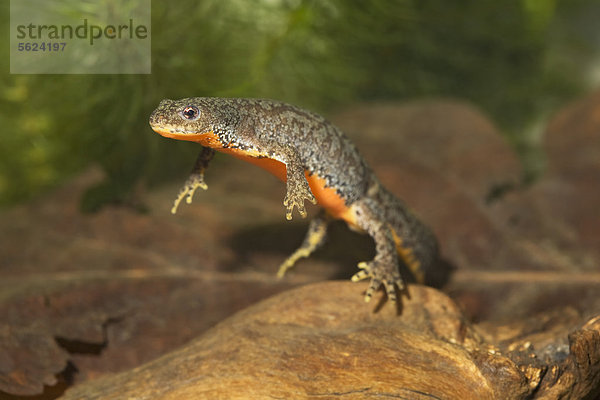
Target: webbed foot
x,y
385,273
295,198
195,181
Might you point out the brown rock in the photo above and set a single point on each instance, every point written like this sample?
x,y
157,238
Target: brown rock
x,y
559,213
109,291
445,136
572,139
571,189
302,344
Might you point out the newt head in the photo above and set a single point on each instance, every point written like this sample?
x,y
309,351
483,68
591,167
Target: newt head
x,y
197,119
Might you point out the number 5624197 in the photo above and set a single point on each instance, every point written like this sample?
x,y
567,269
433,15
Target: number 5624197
x,y
44,46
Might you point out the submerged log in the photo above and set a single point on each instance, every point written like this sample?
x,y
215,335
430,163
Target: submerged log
x,y
302,344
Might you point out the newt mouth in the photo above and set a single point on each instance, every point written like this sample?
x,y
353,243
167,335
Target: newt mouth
x,y
206,138
172,133
177,134
168,131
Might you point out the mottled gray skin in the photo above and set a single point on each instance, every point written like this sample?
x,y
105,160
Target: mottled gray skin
x,y
261,125
305,141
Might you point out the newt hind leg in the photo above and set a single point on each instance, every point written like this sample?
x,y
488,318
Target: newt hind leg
x,y
383,269
315,237
409,258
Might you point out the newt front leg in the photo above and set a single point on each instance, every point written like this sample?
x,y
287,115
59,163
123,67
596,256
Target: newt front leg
x,y
297,188
196,178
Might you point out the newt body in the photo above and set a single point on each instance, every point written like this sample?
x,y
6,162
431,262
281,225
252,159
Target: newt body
x,y
318,163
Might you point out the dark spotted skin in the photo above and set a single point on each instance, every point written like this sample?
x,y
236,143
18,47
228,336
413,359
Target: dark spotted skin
x,y
314,152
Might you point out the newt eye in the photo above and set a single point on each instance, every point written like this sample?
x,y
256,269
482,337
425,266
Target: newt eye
x,y
191,113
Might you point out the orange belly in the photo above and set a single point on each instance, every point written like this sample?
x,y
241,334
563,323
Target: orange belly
x,y
327,197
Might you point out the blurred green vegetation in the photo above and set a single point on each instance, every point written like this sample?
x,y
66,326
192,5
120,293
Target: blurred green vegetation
x,y
515,59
